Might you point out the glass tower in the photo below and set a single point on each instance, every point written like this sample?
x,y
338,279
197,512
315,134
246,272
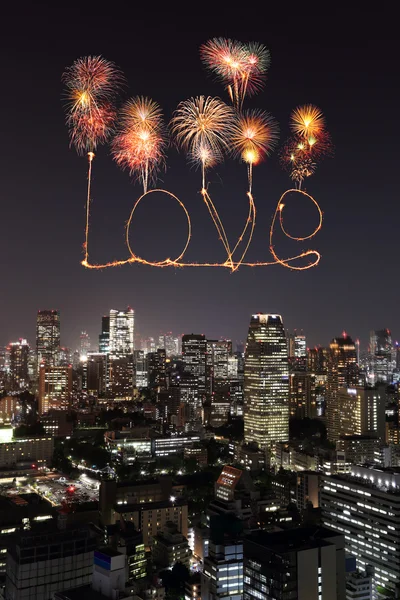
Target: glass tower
x,y
48,337
122,325
266,382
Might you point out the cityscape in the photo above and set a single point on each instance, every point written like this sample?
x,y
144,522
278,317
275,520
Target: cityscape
x,y
199,334
185,467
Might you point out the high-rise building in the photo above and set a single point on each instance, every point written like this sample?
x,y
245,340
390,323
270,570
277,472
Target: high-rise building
x,y
55,387
217,357
84,344
19,362
382,356
358,411
104,337
297,348
121,376
302,395
194,349
48,337
343,372
222,576
140,369
365,508
306,564
169,343
156,368
96,373
122,329
266,382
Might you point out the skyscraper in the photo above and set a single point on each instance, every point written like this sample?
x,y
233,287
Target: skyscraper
x,y
19,359
122,325
342,373
84,344
104,337
194,358
266,382
382,356
48,337
169,343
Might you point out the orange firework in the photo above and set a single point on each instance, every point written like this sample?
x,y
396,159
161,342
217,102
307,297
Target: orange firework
x,y
91,86
255,135
240,67
140,143
307,121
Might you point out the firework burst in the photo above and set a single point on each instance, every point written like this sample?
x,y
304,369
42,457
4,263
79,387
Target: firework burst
x,y
140,143
255,135
92,84
240,67
307,121
203,126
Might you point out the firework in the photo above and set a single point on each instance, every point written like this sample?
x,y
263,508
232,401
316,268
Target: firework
x,y
257,61
140,143
307,121
255,135
91,86
202,126
240,67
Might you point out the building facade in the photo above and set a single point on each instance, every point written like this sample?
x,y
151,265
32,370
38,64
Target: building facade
x,y
266,382
48,337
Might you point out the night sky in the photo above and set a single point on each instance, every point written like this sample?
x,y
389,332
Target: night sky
x,y
351,76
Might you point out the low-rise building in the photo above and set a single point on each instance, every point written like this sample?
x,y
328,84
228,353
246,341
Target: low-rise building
x,y
36,450
170,547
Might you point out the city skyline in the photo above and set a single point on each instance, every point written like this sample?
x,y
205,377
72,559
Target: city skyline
x,y
54,177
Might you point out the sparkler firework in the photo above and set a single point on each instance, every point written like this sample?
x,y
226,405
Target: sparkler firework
x,y
92,84
208,130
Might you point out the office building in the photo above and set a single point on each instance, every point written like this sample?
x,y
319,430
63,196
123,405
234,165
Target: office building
x,y
140,369
382,356
120,384
194,350
122,331
170,546
302,395
104,337
357,411
266,382
46,560
307,489
364,506
48,337
217,358
305,563
222,576
19,362
342,372
96,374
84,345
55,387
359,585
169,343
25,452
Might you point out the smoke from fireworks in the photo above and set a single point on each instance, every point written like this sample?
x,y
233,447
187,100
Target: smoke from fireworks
x,y
140,143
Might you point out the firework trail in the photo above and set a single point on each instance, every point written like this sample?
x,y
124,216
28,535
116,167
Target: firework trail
x,y
92,84
141,140
202,126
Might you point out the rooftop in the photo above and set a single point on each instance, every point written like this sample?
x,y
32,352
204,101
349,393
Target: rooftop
x,y
292,539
